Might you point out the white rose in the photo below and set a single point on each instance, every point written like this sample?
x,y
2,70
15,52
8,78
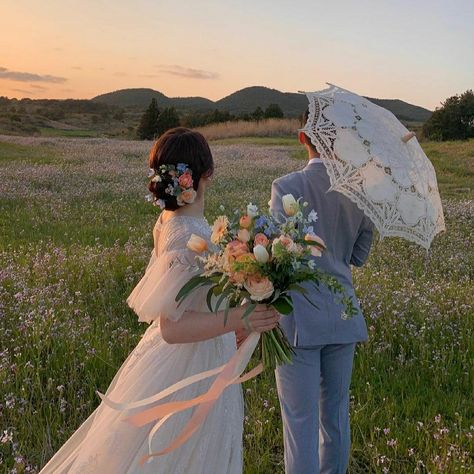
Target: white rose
x,y
261,254
289,204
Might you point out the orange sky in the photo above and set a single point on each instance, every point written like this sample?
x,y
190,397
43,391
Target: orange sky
x,y
58,49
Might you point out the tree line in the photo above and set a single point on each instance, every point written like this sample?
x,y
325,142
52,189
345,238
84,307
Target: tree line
x,y
154,121
454,120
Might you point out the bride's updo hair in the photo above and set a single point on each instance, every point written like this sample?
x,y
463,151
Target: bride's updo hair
x,y
179,145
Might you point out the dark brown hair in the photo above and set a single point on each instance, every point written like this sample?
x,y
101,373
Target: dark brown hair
x,y
180,145
304,119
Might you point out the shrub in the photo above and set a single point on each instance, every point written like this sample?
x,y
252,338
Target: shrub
x,y
274,111
454,120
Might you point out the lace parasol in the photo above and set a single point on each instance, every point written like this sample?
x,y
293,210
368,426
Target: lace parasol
x,y
377,163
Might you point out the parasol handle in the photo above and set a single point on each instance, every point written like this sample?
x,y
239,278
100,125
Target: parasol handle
x,y
408,136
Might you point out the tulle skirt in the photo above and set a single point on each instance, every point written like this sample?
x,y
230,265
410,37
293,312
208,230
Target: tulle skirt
x,y
105,444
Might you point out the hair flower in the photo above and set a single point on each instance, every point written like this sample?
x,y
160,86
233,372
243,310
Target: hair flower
x,y
179,182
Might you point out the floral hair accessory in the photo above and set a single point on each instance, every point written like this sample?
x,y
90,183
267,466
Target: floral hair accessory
x,y
180,184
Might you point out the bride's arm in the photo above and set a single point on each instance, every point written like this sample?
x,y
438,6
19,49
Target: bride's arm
x,y
194,326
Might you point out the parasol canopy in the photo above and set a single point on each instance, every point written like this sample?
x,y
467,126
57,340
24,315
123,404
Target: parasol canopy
x,y
374,160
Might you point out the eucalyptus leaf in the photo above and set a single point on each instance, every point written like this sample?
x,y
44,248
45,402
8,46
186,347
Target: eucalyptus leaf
x,y
283,305
193,283
209,299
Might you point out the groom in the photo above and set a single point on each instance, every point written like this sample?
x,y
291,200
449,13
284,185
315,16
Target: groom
x,y
314,390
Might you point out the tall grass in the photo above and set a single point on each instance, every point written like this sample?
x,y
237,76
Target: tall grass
x,y
76,237
240,128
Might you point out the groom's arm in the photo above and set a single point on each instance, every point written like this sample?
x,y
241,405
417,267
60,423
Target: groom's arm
x,y
361,249
276,204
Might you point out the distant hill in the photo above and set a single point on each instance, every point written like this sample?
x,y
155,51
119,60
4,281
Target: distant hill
x,y
403,110
141,98
246,101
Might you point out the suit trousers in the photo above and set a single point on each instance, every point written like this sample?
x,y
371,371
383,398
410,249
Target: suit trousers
x,y
314,400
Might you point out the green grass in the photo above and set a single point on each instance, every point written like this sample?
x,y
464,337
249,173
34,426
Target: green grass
x,y
57,132
76,237
26,154
454,163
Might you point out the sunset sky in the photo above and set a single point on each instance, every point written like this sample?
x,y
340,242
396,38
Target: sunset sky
x,y
420,52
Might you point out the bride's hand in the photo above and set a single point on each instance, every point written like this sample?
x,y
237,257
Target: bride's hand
x,y
263,318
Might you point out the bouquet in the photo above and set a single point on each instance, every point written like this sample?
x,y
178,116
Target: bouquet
x,y
260,259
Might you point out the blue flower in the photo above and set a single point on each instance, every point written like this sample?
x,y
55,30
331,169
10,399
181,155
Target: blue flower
x,y
181,167
272,229
261,222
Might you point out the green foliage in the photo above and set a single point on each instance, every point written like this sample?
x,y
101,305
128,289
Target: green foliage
x,y
154,123
168,119
274,111
147,129
454,120
201,119
258,114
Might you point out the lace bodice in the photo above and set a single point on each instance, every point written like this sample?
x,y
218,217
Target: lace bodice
x,y
174,234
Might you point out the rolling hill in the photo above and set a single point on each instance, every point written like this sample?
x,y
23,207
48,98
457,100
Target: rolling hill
x,y
246,101
141,98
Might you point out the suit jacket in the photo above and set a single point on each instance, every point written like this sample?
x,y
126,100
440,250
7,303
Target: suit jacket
x,y
348,236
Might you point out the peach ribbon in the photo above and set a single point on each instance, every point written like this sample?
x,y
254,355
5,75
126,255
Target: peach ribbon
x,y
228,374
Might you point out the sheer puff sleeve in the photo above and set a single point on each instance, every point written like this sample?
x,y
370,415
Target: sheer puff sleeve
x,y
171,266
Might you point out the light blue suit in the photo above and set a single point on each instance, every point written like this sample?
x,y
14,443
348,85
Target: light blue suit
x,y
314,390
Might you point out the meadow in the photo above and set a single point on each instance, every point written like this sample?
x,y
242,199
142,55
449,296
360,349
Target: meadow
x,y
76,237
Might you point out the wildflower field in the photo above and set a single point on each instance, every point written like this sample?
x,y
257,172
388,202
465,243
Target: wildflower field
x,y
75,237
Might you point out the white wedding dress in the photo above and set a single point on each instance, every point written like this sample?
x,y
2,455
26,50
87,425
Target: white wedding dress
x,y
104,443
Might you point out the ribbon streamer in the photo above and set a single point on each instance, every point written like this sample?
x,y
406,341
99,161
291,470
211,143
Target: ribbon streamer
x,y
228,374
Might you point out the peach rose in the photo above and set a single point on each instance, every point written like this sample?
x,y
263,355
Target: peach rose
x,y
259,287
186,180
233,250
287,242
260,239
245,222
243,235
236,248
188,196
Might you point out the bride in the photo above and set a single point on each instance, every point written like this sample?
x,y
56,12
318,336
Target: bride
x,y
180,342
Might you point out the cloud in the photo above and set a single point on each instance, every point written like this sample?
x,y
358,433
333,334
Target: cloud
x,y
188,72
40,88
23,91
29,76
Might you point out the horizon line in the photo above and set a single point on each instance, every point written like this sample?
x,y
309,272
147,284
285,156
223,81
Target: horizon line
x,y
202,97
